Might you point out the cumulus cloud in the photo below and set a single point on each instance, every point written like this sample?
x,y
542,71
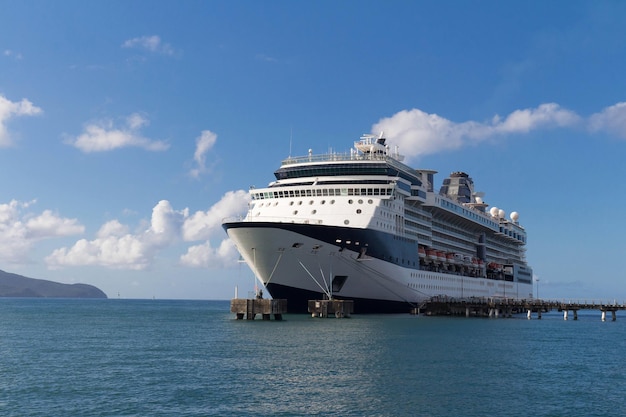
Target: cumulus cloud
x,y
418,133
21,229
116,247
202,224
204,143
611,120
149,43
9,110
103,136
205,256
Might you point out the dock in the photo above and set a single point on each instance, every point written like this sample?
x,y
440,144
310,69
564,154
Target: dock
x,y
502,307
251,307
326,308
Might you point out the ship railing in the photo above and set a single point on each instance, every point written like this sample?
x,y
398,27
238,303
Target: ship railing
x,y
339,157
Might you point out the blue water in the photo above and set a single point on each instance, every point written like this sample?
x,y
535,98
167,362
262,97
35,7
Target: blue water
x,y
192,358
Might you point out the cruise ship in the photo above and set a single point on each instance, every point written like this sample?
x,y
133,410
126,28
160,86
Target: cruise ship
x,y
366,227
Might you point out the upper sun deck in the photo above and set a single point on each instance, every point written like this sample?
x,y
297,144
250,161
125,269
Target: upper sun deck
x,y
370,151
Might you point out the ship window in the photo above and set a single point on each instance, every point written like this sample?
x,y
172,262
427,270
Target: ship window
x,y
363,191
295,212
350,191
310,202
350,201
323,202
296,245
325,192
332,201
358,211
370,201
308,193
299,203
360,201
314,211
346,222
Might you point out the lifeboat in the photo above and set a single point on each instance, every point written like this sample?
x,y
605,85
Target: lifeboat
x,y
467,260
431,254
421,252
450,257
441,255
475,262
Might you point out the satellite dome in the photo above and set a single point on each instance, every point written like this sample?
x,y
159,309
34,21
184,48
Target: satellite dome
x,y
493,211
501,214
515,216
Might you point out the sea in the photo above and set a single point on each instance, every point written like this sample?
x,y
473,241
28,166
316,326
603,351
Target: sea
x,y
115,357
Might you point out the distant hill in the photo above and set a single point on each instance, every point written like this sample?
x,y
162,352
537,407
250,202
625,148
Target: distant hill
x,y
13,285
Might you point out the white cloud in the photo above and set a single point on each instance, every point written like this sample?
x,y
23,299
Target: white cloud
x,y
116,248
206,256
204,143
10,109
150,43
419,133
202,224
103,136
20,229
611,120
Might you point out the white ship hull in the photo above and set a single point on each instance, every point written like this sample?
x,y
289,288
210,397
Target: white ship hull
x,y
299,262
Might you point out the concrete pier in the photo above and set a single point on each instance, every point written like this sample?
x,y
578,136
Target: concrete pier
x,y
250,307
326,308
497,307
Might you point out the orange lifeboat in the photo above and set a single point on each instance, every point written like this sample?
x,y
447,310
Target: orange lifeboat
x,y
431,254
421,252
441,255
450,257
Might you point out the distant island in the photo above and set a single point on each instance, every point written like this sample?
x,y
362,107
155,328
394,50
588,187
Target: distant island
x,y
14,285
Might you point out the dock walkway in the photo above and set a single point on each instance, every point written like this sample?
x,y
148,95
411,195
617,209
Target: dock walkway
x,y
495,307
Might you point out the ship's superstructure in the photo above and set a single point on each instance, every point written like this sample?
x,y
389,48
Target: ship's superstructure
x,y
365,226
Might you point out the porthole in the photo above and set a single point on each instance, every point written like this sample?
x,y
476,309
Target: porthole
x,y
332,201
346,222
323,202
295,212
350,201
360,201
358,211
370,201
310,202
291,203
313,211
299,203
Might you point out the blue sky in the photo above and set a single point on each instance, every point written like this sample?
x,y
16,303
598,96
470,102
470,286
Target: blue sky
x,y
129,129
